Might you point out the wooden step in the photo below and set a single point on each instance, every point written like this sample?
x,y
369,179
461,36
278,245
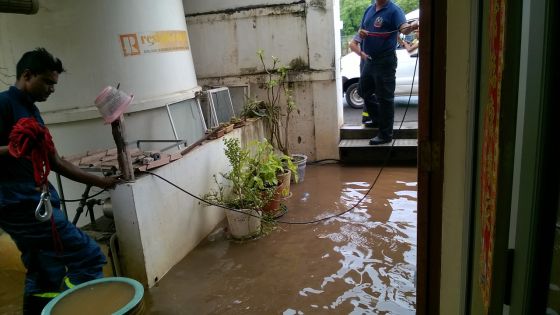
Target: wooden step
x,y
399,151
408,130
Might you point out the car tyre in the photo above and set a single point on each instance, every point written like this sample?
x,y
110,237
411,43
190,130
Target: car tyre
x,y
353,99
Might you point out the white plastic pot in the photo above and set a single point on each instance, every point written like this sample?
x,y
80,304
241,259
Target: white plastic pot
x,y
244,224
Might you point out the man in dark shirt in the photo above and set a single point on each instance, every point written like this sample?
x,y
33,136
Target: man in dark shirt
x,y
381,24
56,254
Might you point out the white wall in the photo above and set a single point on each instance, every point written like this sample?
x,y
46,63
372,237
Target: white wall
x,y
157,224
226,37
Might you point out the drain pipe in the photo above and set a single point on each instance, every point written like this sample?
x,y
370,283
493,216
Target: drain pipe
x,y
19,6
113,241
115,255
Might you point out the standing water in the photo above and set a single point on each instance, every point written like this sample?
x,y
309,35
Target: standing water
x,y
362,262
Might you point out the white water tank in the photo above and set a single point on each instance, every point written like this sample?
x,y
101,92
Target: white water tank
x,y
141,44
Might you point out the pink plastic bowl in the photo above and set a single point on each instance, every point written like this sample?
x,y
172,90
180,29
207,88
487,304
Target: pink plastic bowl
x,y
112,103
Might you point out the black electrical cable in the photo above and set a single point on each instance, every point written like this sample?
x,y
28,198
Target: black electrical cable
x,y
87,197
198,198
323,161
386,160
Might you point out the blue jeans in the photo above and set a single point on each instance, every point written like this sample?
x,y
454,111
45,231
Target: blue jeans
x,y
377,88
80,258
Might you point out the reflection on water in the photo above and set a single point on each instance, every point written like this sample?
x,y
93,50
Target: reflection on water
x,y
362,262
378,258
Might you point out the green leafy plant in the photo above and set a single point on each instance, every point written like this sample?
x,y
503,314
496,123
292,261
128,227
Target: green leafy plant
x,y
252,108
267,164
239,192
252,179
276,115
235,120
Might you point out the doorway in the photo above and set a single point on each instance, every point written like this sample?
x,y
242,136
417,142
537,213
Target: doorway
x,y
430,117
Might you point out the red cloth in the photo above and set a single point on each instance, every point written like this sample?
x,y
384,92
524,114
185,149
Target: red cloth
x,y
31,140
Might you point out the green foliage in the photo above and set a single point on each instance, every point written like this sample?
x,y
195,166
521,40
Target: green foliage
x,y
276,115
243,194
264,165
408,5
252,177
253,107
288,164
351,12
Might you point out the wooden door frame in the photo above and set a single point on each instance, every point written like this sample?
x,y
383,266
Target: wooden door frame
x,y
433,21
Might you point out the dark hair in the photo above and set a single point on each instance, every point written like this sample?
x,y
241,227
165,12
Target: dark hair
x,y
38,61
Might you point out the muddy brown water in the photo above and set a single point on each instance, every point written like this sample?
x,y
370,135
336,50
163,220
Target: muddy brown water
x,y
362,262
12,274
96,299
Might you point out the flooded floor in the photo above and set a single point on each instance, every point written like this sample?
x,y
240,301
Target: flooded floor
x,y
362,262
12,274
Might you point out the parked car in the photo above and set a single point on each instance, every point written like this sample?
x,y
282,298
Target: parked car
x,y
350,71
407,63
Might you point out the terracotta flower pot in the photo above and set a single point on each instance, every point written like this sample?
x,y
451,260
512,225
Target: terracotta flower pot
x,y
228,128
285,181
273,205
216,134
239,124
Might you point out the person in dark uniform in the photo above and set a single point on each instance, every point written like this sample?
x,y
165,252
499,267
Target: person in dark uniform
x,y
56,254
369,111
381,24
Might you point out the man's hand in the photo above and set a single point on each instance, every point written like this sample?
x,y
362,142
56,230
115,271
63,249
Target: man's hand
x,y
110,182
407,28
74,173
355,47
363,33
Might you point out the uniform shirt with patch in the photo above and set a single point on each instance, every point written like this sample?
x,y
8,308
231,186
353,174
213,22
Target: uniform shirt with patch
x,y
382,24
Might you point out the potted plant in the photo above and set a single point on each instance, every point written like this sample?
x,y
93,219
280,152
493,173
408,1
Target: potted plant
x,y
251,185
239,193
237,122
228,127
253,109
269,170
277,114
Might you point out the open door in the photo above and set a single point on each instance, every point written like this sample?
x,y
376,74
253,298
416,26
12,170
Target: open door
x,y
431,110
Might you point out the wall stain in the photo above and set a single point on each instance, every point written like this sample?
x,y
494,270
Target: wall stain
x,y
298,64
273,8
250,70
321,4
